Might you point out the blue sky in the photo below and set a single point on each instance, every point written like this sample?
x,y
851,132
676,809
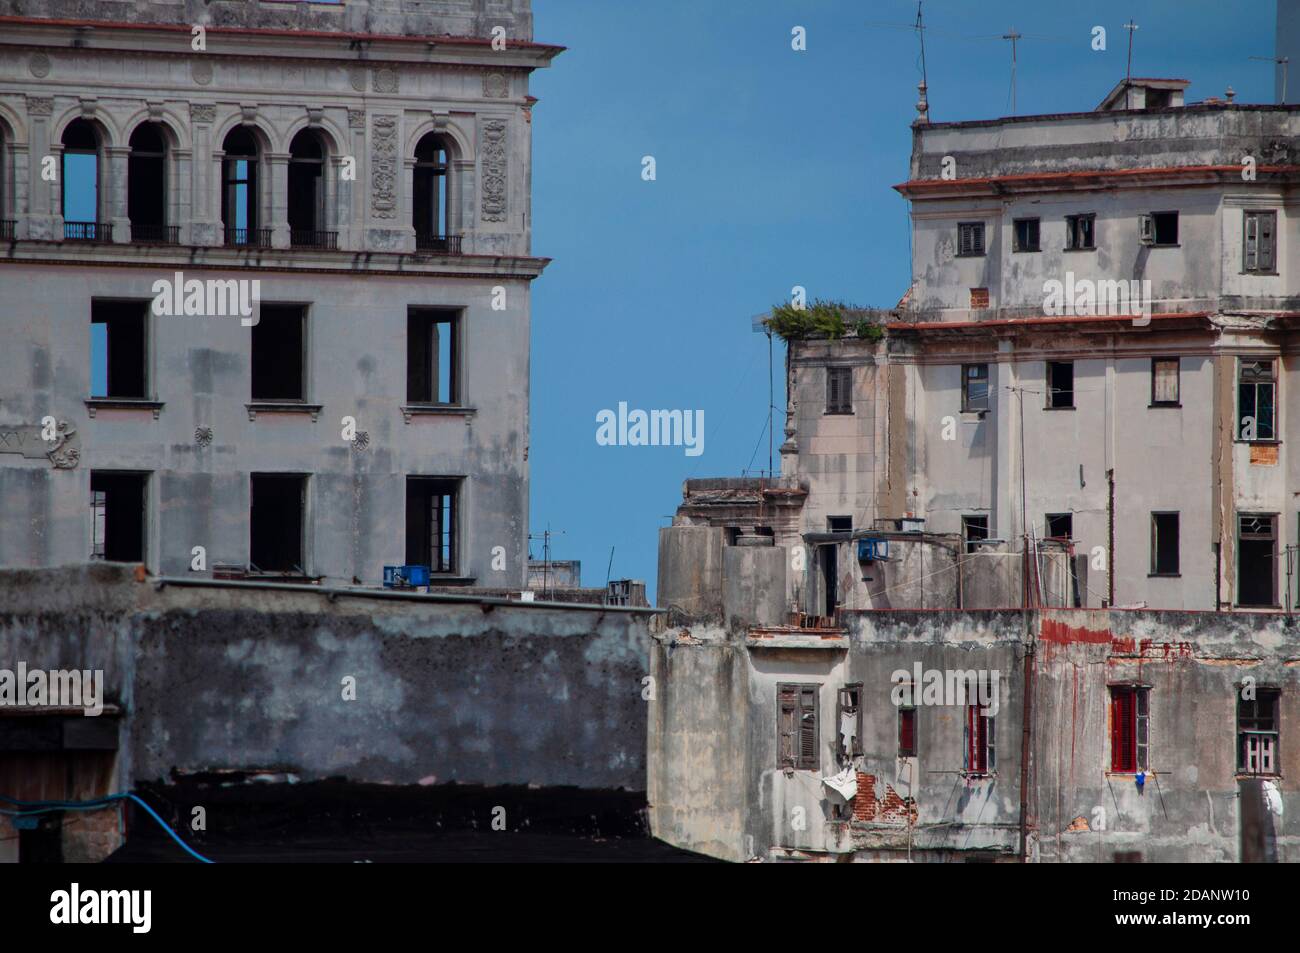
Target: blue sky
x,y
774,169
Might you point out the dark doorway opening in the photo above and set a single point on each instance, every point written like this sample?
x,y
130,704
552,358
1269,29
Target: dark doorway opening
x,y
276,523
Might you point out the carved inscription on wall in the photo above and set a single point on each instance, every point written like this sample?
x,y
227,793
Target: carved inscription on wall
x,y
494,170
383,165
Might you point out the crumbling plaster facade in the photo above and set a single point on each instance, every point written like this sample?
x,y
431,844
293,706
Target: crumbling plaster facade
x,y
370,79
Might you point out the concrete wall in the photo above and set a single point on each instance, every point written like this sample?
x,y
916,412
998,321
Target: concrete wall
x,y
220,677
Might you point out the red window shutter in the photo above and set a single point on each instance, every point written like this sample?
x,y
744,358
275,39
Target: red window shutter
x,y
907,732
977,751
1122,730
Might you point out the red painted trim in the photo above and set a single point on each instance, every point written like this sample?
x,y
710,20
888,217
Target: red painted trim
x,y
1185,171
1036,322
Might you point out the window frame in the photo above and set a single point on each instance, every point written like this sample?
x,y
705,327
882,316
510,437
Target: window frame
x,y
1254,717
843,708
1074,230
1139,730
429,317
1016,245
1156,570
1267,380
907,715
1178,382
1273,519
1257,216
435,486
967,404
979,747
977,248
1051,390
844,405
801,728
1155,229
967,521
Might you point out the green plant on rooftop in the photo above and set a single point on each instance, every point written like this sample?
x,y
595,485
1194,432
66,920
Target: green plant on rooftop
x,y
823,319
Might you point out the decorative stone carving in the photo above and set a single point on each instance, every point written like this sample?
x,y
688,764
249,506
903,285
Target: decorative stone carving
x,y
361,441
385,80
357,118
40,106
383,165
496,85
203,112
39,65
494,170
203,436
201,72
64,451
357,79
314,115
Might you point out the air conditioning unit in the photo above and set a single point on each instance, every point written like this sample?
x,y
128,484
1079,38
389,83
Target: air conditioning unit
x,y
1147,229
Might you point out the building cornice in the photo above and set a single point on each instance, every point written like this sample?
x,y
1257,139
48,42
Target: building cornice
x,y
1089,180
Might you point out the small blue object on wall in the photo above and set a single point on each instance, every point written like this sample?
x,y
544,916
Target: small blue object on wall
x,y
873,550
405,577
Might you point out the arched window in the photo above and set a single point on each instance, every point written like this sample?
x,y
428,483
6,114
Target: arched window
x,y
307,192
430,209
239,196
81,148
146,186
6,222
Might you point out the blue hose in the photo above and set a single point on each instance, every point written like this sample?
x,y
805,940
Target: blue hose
x,y
48,807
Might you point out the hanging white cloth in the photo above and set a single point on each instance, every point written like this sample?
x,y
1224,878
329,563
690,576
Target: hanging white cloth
x,y
845,784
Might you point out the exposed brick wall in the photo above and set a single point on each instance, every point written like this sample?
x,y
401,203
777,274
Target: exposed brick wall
x,y
892,810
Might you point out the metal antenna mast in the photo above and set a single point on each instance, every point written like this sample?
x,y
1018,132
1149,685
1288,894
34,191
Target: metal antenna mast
x,y
1128,70
1013,36
925,77
1281,61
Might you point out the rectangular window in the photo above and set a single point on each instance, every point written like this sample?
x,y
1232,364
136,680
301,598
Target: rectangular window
x,y
1080,232
970,239
839,390
432,357
276,522
431,523
119,351
1058,525
1025,234
117,515
1257,732
979,736
279,353
1129,728
1060,384
849,722
839,524
907,731
797,739
1259,244
1256,560
1256,400
1164,544
974,529
974,387
1160,228
1164,381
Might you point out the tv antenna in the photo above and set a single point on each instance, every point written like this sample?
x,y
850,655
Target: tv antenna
x,y
1277,61
545,537
1128,70
1014,37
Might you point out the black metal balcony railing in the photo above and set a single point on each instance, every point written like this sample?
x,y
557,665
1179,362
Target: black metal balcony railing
x,y
256,237
156,234
88,231
443,244
313,238
7,229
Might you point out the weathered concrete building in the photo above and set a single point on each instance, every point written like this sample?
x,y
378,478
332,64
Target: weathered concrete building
x,y
1081,402
266,269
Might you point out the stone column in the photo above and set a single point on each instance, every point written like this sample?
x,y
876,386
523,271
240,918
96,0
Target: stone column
x,y
276,203
204,179
45,218
113,203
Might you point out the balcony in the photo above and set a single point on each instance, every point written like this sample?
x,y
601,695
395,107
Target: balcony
x,y
7,229
251,237
87,232
313,238
438,244
155,234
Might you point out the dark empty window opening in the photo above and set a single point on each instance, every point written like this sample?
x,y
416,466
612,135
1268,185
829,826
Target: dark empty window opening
x,y
974,388
81,173
432,364
849,723
279,353
1060,384
1256,560
1259,243
431,209
1161,228
907,731
1058,526
1129,728
119,350
1025,234
980,754
797,734
1164,381
1164,544
839,524
431,523
1257,731
146,188
970,239
1080,232
239,194
974,529
276,522
306,189
117,508
839,390
1256,400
